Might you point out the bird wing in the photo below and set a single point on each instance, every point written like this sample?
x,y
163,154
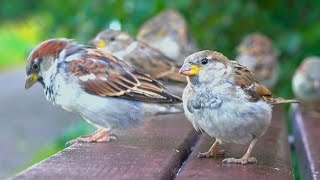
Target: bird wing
x,y
246,80
104,75
156,64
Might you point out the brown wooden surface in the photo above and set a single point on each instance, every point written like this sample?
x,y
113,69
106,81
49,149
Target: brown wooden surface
x,y
154,151
307,138
272,152
162,148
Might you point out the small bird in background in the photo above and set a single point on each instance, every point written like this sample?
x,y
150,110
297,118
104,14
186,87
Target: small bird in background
x,y
169,33
142,57
306,81
257,53
223,99
101,88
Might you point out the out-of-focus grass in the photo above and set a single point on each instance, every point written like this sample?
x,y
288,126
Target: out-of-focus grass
x,y
18,38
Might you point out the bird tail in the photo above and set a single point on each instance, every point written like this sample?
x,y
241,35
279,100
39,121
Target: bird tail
x,y
162,109
284,101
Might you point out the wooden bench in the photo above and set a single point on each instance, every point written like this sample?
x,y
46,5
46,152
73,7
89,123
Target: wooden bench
x,y
166,148
307,141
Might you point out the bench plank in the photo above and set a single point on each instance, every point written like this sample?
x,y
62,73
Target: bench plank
x,y
155,150
272,152
307,134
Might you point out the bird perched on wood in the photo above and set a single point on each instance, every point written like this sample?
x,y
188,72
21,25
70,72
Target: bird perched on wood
x,y
223,99
306,81
169,33
101,88
142,57
257,53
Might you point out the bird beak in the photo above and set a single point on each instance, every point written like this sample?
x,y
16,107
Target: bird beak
x,y
101,44
189,70
31,80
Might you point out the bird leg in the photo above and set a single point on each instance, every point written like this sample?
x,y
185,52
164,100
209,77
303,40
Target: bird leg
x,y
245,158
100,135
214,151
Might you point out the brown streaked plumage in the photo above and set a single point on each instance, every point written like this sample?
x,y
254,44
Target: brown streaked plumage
x,y
224,99
257,53
138,54
101,88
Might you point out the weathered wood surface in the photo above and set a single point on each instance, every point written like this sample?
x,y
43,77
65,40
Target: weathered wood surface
x,y
307,141
153,151
272,152
27,121
162,149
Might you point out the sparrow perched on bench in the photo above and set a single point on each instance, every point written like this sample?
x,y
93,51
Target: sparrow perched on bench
x,y
142,57
257,53
223,99
169,33
101,88
306,81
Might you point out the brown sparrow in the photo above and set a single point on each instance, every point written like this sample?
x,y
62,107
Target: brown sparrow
x,y
103,89
169,33
306,81
257,53
142,57
224,99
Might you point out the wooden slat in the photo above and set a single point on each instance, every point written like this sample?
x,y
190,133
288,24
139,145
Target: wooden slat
x,y
272,152
307,135
154,151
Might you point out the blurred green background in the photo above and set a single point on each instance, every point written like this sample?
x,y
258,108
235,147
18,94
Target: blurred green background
x,y
294,27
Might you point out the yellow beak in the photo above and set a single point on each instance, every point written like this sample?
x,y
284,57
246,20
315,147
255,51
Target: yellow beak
x,y
101,44
31,80
188,70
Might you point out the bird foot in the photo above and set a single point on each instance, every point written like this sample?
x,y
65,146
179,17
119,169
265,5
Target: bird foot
x,y
95,137
215,153
240,161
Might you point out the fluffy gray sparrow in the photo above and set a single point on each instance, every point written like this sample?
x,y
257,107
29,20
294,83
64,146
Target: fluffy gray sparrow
x,y
142,57
257,53
169,33
224,99
103,89
306,81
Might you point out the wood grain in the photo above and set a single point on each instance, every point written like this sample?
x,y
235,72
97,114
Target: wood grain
x,y
154,151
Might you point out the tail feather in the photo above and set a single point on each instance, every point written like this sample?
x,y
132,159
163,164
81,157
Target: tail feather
x,y
284,101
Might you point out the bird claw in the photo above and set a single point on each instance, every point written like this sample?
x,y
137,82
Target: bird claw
x,y
240,161
209,154
91,138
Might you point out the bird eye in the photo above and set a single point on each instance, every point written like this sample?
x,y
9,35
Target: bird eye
x,y
112,38
204,61
35,67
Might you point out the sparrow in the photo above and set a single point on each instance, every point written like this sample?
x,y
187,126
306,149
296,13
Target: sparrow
x,y
142,57
104,90
306,81
223,99
169,33
257,53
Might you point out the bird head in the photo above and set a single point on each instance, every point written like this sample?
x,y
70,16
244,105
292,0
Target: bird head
x,y
256,44
41,58
112,40
205,65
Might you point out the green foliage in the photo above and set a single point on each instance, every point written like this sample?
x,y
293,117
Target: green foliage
x,y
217,25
